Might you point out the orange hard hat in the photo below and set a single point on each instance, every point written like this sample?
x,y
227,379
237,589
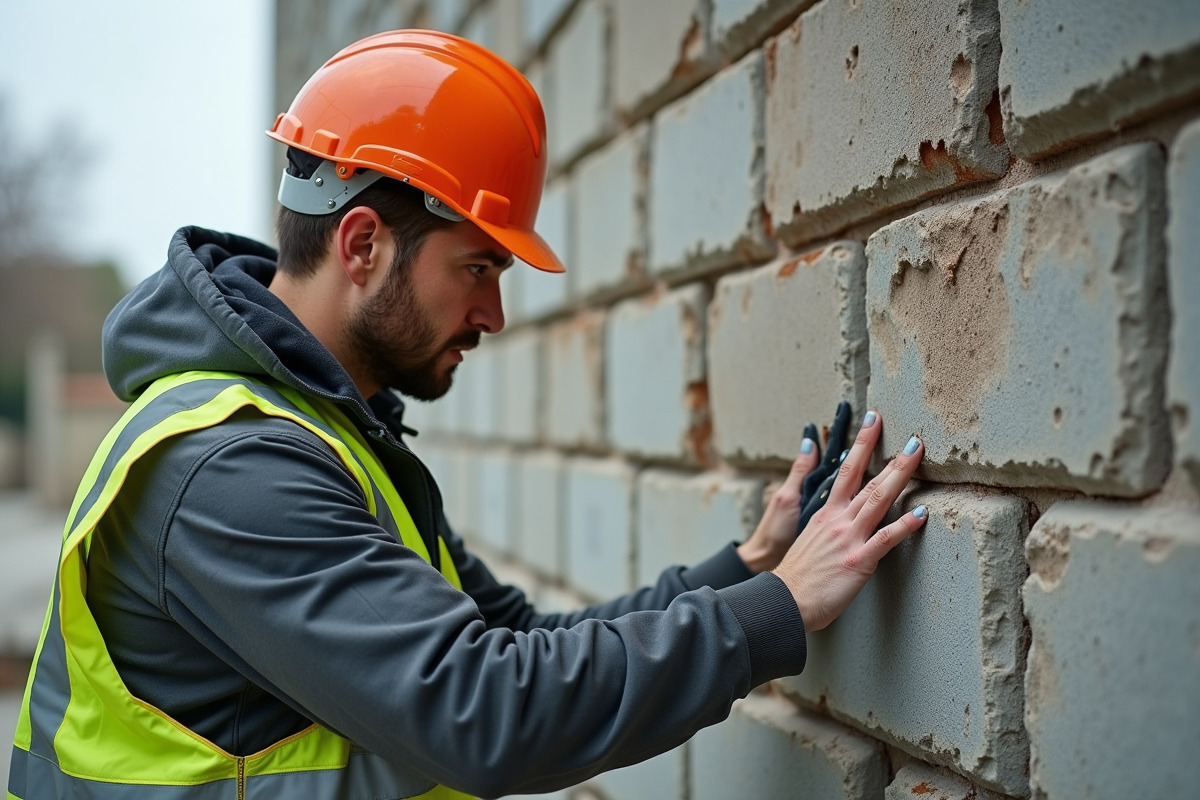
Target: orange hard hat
x,y
433,110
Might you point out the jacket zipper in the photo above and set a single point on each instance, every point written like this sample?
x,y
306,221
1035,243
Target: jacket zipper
x,y
241,779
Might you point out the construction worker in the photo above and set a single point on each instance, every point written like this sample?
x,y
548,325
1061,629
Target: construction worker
x,y
258,593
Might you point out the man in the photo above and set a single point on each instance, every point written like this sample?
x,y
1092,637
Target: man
x,y
259,595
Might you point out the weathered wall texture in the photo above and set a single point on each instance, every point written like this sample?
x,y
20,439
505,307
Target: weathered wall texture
x,y
981,217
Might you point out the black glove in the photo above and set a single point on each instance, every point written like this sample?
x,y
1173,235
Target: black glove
x,y
814,491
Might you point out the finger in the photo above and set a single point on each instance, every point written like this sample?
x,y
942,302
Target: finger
x,y
814,504
804,463
810,432
837,431
878,495
850,474
886,538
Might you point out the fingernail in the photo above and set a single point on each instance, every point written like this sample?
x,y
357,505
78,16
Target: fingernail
x,y
843,456
869,419
920,511
807,445
912,446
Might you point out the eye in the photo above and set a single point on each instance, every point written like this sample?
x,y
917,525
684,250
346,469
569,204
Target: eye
x,y
478,270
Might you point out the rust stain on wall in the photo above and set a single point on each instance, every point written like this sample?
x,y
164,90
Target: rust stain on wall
x,y
995,120
924,788
699,433
933,158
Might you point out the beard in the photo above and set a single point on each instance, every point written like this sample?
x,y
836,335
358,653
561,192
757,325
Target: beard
x,y
395,341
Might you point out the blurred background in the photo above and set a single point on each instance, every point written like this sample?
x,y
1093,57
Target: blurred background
x,y
119,123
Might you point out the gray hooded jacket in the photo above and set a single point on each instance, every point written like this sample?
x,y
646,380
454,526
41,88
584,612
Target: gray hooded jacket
x,y
243,588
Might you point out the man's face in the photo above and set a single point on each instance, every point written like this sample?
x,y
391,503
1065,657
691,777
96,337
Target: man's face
x,y
410,335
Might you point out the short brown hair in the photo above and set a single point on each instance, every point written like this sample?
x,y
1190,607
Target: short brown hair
x,y
304,238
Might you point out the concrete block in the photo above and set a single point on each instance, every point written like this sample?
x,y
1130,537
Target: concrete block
x,y
662,777
540,518
873,106
768,749
739,25
917,780
535,294
1113,682
610,220
786,343
930,655
519,362
1072,71
578,63
447,15
1183,247
496,497
574,381
539,17
1024,334
706,178
477,383
655,395
684,519
458,481
659,49
599,513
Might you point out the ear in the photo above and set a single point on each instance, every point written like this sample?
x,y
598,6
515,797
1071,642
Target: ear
x,y
363,246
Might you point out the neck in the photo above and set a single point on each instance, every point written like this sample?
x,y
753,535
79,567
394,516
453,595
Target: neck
x,y
320,303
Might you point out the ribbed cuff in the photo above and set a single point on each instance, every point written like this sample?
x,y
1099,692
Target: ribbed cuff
x,y
723,568
766,610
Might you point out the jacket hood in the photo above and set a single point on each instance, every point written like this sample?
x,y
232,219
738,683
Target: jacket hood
x,y
209,308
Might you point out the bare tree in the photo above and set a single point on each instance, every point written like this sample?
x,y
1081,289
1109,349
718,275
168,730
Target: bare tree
x,y
36,187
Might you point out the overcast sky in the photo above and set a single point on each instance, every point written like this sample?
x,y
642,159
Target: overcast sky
x,y
172,98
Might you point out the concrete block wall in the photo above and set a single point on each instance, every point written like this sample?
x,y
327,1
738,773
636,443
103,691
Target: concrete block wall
x,y
978,216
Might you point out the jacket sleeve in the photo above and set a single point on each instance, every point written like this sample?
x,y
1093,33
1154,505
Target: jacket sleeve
x,y
506,606
271,559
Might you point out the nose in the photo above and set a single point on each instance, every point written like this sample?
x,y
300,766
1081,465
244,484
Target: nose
x,y
487,312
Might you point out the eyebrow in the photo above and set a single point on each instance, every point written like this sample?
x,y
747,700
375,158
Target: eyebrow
x,y
494,256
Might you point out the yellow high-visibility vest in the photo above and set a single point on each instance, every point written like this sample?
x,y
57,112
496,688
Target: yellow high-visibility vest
x,y
81,734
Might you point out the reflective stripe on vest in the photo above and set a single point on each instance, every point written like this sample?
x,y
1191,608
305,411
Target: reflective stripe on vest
x,y
80,733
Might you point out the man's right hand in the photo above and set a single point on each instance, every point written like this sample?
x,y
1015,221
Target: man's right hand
x,y
830,563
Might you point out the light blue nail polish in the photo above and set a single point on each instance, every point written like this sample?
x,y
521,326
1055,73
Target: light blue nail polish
x,y
807,446
912,446
869,419
920,511
843,456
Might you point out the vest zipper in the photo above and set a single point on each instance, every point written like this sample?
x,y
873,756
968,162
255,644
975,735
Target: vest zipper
x,y
241,779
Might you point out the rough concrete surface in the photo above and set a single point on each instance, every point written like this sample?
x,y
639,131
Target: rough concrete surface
x,y
930,655
683,518
706,179
917,781
579,111
1074,70
768,749
655,393
739,25
574,382
1113,681
1183,247
1023,335
659,54
786,343
872,106
599,514
610,223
